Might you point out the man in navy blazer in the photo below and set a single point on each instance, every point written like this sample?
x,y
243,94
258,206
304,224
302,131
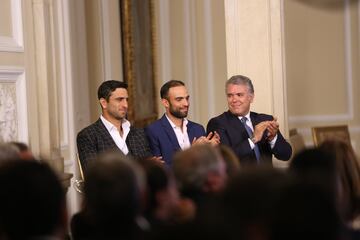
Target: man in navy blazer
x,y
254,137
173,132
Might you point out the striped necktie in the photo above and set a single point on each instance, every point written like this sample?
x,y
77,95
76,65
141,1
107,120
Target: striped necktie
x,y
250,133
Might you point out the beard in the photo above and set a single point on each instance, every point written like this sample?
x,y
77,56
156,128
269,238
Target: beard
x,y
177,113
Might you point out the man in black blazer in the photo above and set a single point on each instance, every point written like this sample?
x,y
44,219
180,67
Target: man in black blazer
x,y
254,137
112,130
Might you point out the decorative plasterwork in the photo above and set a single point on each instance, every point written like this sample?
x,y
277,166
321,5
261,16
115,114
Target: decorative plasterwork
x,y
13,105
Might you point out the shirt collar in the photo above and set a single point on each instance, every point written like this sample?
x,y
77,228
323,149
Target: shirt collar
x,y
109,126
247,116
185,122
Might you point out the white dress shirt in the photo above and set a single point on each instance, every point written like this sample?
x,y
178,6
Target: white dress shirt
x,y
181,134
115,134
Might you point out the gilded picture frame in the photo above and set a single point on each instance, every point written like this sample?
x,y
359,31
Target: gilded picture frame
x,y
330,132
137,28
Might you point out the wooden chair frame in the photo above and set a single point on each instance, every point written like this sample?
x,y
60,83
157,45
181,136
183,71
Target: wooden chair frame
x,y
330,132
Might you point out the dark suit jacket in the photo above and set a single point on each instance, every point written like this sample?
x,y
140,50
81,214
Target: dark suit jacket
x,y
95,139
163,141
233,133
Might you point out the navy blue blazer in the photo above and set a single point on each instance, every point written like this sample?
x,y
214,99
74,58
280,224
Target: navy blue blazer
x,y
233,133
162,138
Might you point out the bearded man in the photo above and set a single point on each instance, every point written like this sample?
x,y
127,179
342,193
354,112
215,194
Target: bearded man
x,y
173,131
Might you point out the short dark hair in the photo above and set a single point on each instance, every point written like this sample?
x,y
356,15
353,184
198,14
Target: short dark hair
x,y
112,189
32,199
107,87
164,91
240,80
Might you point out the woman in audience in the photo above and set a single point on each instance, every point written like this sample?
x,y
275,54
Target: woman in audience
x,y
325,167
348,178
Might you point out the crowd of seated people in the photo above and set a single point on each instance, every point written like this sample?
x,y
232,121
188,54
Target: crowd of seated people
x,y
206,194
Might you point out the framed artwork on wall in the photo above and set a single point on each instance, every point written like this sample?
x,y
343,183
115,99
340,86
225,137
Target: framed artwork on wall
x,y
137,28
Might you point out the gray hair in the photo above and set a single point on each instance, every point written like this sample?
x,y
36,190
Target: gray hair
x,y
240,80
191,166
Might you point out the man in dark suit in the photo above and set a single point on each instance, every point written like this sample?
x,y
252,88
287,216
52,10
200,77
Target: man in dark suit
x,y
112,130
173,132
254,137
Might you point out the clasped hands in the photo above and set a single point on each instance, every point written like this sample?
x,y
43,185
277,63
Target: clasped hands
x,y
270,127
213,138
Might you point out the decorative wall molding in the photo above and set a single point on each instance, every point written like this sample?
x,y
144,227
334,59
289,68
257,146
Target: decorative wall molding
x,y
65,69
349,115
163,36
13,105
14,43
190,59
105,37
209,74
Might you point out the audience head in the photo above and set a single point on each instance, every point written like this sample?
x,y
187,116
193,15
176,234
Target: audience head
x,y
113,188
24,150
314,163
231,160
32,201
8,152
162,194
199,169
348,172
113,98
304,210
249,200
239,89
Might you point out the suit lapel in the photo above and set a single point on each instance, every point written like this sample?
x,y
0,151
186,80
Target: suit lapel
x,y
190,131
105,135
254,119
236,124
170,132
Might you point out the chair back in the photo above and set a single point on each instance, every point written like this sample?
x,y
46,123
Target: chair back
x,y
79,183
296,140
320,134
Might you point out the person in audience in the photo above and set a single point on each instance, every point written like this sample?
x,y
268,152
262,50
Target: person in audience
x,y
248,203
8,152
112,130
113,200
164,206
254,137
231,160
24,150
304,210
348,179
200,172
32,202
173,131
318,168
